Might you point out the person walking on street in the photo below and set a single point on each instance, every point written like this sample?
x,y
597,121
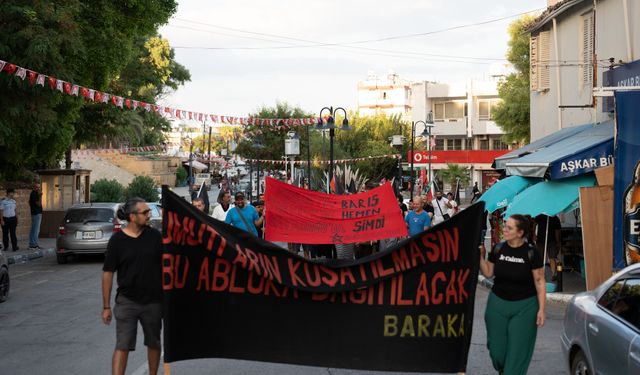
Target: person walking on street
x,y
417,219
9,220
244,216
35,204
224,205
198,203
135,254
454,205
476,192
516,305
440,207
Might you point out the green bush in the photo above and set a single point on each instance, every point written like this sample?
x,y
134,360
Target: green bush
x,y
181,176
104,190
143,187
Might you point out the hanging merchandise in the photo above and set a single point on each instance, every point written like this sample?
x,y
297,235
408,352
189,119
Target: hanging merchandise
x,y
96,96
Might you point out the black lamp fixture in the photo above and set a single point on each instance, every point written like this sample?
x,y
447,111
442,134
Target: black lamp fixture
x,y
331,126
426,133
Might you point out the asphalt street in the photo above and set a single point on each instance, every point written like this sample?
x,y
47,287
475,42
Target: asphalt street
x,y
51,325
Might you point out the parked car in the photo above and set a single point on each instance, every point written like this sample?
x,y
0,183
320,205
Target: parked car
x,y
86,229
156,216
602,327
5,282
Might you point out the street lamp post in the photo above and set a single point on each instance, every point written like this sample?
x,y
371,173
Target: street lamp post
x,y
292,149
426,133
190,165
396,141
331,125
258,147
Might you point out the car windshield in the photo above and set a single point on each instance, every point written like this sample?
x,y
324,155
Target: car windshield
x,y
83,215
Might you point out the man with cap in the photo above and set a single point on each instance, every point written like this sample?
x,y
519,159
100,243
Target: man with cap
x,y
244,216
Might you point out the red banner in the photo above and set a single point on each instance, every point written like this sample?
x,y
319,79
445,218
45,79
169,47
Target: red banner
x,y
302,216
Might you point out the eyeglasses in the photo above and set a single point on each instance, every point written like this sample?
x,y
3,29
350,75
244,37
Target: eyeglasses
x,y
145,212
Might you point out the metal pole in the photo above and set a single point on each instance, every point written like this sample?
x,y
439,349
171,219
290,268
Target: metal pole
x,y
429,148
250,181
190,166
258,178
209,157
331,135
308,158
413,136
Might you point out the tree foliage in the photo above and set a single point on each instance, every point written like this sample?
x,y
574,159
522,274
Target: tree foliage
x,y
104,190
369,136
143,187
453,173
513,113
99,44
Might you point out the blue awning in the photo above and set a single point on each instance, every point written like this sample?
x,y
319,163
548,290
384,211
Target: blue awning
x,y
502,192
580,153
500,163
550,197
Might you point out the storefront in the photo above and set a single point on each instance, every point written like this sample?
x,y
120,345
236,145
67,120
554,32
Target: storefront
x,y
476,162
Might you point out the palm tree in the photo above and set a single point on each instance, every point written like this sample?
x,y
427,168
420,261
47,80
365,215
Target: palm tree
x,y
455,173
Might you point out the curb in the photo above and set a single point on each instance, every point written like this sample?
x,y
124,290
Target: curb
x,y
559,298
22,258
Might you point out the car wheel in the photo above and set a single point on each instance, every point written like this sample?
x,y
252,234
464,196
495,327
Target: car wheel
x,y
579,365
4,284
62,259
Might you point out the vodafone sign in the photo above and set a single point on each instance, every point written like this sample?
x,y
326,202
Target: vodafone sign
x,y
457,156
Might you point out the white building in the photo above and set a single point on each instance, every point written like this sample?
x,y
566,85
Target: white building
x,y
571,44
465,132
390,95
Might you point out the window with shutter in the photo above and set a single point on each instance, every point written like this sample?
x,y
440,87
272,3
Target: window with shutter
x,y
586,64
533,61
539,60
543,60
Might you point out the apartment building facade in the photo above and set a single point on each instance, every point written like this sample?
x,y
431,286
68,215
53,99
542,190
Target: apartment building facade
x,y
574,43
390,95
464,131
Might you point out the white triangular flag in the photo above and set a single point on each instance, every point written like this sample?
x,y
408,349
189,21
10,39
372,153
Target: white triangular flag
x,y
40,80
74,90
60,85
22,72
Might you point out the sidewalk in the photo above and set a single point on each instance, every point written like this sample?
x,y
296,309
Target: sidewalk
x,y
25,254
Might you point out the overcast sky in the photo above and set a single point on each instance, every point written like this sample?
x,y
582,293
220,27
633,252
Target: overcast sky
x,y
229,80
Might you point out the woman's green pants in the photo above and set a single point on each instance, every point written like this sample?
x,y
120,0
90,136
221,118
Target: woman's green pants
x,y
511,333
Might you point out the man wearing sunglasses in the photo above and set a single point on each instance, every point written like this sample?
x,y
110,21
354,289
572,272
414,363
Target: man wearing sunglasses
x,y
244,216
135,254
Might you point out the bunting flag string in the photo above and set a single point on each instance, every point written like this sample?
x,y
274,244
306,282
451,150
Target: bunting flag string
x,y
96,96
337,161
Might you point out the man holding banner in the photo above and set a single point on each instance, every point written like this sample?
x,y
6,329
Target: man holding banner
x,y
409,308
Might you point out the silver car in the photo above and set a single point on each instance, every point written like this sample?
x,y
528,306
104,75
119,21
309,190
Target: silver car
x,y
4,277
602,327
86,229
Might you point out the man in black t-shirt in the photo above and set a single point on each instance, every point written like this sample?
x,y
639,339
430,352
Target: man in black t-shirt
x,y
135,254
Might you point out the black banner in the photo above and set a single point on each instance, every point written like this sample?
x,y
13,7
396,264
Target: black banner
x,y
229,294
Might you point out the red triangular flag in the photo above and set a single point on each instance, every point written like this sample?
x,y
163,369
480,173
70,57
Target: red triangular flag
x,y
32,77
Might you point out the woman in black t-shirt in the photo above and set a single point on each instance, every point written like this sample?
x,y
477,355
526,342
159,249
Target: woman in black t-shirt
x,y
516,304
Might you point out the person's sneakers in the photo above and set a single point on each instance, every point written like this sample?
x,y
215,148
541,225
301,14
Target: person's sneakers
x,y
34,247
16,248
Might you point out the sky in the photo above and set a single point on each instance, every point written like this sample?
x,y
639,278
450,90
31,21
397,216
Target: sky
x,y
245,54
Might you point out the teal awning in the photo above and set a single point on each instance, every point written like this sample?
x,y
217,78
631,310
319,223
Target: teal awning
x,y
502,192
550,197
